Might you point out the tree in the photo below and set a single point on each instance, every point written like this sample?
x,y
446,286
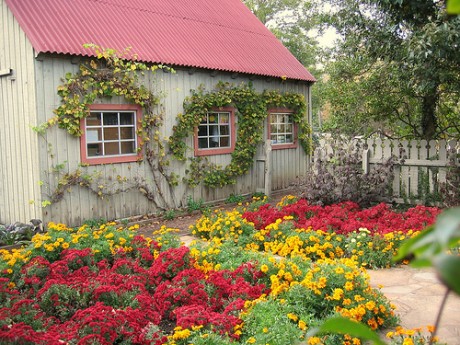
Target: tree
x,y
396,70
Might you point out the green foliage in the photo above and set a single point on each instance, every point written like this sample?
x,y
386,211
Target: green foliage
x,y
170,214
453,6
433,248
194,205
342,325
251,109
396,70
108,74
234,199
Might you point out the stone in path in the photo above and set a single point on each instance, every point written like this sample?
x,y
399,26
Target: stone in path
x,y
417,294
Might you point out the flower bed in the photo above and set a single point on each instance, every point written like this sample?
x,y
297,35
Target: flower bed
x,y
107,285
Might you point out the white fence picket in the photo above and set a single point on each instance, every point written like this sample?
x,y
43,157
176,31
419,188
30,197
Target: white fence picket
x,y
422,166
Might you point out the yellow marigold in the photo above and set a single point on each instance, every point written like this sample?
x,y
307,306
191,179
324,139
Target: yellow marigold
x,y
65,245
339,270
349,286
408,341
264,268
251,340
293,317
181,334
302,325
431,328
314,341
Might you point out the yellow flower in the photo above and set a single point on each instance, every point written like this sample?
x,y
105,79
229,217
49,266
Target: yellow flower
x,y
302,325
265,330
65,245
314,341
293,317
264,268
251,340
339,270
408,341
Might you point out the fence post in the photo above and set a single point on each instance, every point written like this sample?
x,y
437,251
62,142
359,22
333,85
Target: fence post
x,y
366,155
268,168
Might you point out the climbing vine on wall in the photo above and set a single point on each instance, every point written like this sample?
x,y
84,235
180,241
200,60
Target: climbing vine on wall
x,y
251,109
110,74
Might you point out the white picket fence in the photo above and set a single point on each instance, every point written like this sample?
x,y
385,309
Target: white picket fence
x,y
421,169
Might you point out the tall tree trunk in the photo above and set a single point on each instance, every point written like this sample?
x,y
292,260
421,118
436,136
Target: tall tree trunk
x,y
429,122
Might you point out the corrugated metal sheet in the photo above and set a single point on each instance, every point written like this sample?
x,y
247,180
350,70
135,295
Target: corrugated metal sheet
x,y
213,34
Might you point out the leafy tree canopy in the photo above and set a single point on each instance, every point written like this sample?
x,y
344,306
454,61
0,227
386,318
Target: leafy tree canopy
x,y
396,70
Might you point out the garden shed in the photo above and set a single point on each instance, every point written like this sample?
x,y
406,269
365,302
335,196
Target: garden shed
x,y
111,109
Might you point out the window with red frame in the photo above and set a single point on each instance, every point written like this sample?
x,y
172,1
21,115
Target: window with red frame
x,y
109,134
216,133
282,130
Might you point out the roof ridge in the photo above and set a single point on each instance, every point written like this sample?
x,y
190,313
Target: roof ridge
x,y
107,2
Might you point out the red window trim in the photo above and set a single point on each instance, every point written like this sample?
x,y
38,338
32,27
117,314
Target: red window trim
x,y
218,151
112,159
292,145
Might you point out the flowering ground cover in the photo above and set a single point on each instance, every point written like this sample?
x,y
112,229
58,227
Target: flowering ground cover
x,y
268,284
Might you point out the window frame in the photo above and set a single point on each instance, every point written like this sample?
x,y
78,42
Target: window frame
x,y
123,158
295,142
219,150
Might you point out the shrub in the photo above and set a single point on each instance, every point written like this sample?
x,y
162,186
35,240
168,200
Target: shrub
x,y
339,177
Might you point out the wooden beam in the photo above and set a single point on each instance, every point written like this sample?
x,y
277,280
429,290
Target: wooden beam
x,y
5,72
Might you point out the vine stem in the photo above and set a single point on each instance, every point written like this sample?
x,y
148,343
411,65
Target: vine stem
x,y
438,317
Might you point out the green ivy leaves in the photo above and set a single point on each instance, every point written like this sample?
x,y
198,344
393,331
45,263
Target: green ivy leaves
x,y
251,109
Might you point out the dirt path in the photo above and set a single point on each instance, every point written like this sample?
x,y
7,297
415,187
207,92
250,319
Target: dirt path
x,y
183,220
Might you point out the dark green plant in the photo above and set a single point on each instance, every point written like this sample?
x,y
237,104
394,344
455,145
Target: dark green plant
x,y
95,222
170,214
194,205
234,199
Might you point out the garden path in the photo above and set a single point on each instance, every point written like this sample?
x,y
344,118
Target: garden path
x,y
417,293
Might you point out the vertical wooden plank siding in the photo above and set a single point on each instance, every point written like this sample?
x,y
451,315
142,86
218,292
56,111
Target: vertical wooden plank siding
x,y
79,204
19,171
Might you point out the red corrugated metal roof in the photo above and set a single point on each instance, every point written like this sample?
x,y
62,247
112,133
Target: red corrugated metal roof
x,y
213,34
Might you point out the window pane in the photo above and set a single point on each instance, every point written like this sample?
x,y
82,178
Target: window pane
x,y
224,141
111,149
93,135
94,119
224,130
224,118
203,131
94,150
214,131
127,133
110,119
111,133
203,143
128,147
289,138
126,118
